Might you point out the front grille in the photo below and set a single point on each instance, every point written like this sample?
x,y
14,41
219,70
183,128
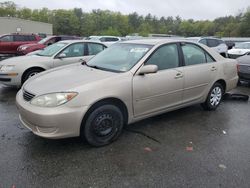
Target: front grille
x,y
28,96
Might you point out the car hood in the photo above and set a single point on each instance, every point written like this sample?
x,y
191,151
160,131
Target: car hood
x,y
24,59
238,51
67,78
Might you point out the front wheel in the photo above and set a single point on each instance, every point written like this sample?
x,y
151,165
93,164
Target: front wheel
x,y
103,125
30,73
214,97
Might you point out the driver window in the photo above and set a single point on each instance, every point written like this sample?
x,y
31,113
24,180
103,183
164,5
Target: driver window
x,y
166,57
74,50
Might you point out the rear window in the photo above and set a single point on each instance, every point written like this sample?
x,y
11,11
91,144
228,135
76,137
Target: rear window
x,y
212,42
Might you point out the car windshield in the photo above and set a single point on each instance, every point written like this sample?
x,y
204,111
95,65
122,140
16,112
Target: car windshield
x,y
243,46
52,49
44,40
119,57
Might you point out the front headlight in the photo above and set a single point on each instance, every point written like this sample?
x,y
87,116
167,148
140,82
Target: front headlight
x,y
24,47
7,68
53,99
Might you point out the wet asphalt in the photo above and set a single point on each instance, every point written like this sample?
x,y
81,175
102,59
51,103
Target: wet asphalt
x,y
185,148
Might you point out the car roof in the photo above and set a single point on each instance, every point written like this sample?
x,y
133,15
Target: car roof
x,y
76,41
154,41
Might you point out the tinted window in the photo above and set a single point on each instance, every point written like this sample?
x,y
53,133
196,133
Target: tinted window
x,y
165,57
32,38
108,39
74,50
95,48
212,42
193,54
19,38
7,38
26,38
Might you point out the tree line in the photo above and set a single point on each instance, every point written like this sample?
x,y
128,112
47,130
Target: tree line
x,y
105,22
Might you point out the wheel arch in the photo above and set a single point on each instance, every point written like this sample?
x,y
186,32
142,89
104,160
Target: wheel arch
x,y
30,68
223,83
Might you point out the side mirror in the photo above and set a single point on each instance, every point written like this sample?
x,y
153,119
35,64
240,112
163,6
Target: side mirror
x,y
62,55
148,69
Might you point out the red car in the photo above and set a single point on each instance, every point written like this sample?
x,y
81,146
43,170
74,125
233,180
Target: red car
x,y
10,42
27,48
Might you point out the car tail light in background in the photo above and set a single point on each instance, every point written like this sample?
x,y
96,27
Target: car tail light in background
x,y
238,67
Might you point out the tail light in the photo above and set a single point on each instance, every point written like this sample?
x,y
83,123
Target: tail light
x,y
238,67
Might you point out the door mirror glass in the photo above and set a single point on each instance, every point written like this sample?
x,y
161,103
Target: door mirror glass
x,y
148,69
62,55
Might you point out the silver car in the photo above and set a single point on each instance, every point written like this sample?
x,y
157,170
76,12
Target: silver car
x,y
15,71
217,44
125,83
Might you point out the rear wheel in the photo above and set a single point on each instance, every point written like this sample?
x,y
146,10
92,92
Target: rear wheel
x,y
214,97
103,125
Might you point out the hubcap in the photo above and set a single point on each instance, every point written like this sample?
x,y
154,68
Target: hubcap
x,y
33,74
104,125
216,96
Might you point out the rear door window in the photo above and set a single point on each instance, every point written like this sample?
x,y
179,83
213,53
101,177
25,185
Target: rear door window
x,y
194,55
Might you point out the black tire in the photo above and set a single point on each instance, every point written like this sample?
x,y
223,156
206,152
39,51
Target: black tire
x,y
103,125
214,97
30,73
239,83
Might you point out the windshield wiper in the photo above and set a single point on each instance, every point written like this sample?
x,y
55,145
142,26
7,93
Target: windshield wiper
x,y
100,68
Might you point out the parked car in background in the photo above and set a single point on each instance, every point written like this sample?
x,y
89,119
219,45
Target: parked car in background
x,y
27,48
107,40
244,67
127,82
9,43
230,44
15,71
239,49
217,44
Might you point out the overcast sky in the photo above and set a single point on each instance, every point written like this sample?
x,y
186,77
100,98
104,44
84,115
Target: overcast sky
x,y
187,9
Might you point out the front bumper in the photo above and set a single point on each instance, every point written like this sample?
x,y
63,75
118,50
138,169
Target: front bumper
x,y
10,79
244,76
59,122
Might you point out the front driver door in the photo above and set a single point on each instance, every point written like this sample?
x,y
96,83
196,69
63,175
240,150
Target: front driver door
x,y
159,91
74,53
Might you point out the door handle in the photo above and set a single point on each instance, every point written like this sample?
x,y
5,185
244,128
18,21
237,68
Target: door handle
x,y
178,75
213,68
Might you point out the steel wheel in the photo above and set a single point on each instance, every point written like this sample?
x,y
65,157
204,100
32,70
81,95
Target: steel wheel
x,y
103,125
